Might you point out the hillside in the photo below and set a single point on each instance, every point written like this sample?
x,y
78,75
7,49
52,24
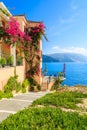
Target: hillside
x,y
64,57
48,59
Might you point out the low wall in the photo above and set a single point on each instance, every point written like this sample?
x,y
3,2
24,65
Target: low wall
x,y
50,85
5,74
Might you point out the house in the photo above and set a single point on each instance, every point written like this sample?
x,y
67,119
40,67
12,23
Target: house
x,y
6,72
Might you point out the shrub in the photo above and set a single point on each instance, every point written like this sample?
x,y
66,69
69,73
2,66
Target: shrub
x,y
32,83
58,81
45,119
32,87
3,61
64,99
18,87
8,95
12,84
39,87
1,94
6,88
23,90
25,83
10,60
5,95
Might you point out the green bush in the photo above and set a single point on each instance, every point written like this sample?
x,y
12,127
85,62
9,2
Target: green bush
x,y
5,95
10,60
45,119
64,99
23,90
3,61
18,86
25,83
31,87
6,88
8,95
32,83
1,94
39,87
12,84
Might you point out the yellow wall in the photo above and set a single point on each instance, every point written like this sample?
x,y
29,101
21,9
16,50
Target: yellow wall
x,y
5,51
22,21
5,74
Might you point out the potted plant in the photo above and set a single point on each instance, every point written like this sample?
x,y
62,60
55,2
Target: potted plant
x,y
3,61
10,60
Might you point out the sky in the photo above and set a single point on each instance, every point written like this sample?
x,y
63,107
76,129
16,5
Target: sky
x,y
65,21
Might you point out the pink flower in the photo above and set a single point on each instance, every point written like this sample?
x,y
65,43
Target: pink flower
x,y
7,46
14,30
14,39
41,25
27,37
27,75
38,51
36,31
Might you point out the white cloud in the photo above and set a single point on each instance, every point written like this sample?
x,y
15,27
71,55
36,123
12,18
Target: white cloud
x,y
56,47
78,50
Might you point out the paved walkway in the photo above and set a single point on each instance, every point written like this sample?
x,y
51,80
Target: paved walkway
x,y
18,102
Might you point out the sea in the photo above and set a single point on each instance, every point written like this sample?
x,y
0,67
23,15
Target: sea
x,y
76,73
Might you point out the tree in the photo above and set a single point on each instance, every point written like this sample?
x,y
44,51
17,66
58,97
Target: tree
x,y
58,81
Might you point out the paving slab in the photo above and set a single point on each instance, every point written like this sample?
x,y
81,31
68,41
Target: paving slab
x,y
13,105
17,103
3,115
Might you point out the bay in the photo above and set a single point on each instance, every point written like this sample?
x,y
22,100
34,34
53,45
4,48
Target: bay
x,y
76,73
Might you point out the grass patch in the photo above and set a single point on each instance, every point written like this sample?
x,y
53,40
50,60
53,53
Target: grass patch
x,y
49,118
5,95
64,99
44,119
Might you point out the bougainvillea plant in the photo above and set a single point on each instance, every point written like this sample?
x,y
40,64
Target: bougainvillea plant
x,y
34,48
13,34
27,41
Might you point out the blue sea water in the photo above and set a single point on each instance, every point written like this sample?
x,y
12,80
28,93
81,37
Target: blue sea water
x,y
76,73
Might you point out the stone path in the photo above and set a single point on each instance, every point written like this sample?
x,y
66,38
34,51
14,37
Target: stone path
x,y
18,102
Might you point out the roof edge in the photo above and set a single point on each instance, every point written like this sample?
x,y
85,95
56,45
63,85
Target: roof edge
x,y
3,6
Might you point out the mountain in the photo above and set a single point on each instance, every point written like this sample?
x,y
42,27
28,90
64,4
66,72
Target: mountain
x,y
48,59
64,57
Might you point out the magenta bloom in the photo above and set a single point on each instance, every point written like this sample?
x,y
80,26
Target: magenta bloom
x,y
14,30
41,25
27,75
7,46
